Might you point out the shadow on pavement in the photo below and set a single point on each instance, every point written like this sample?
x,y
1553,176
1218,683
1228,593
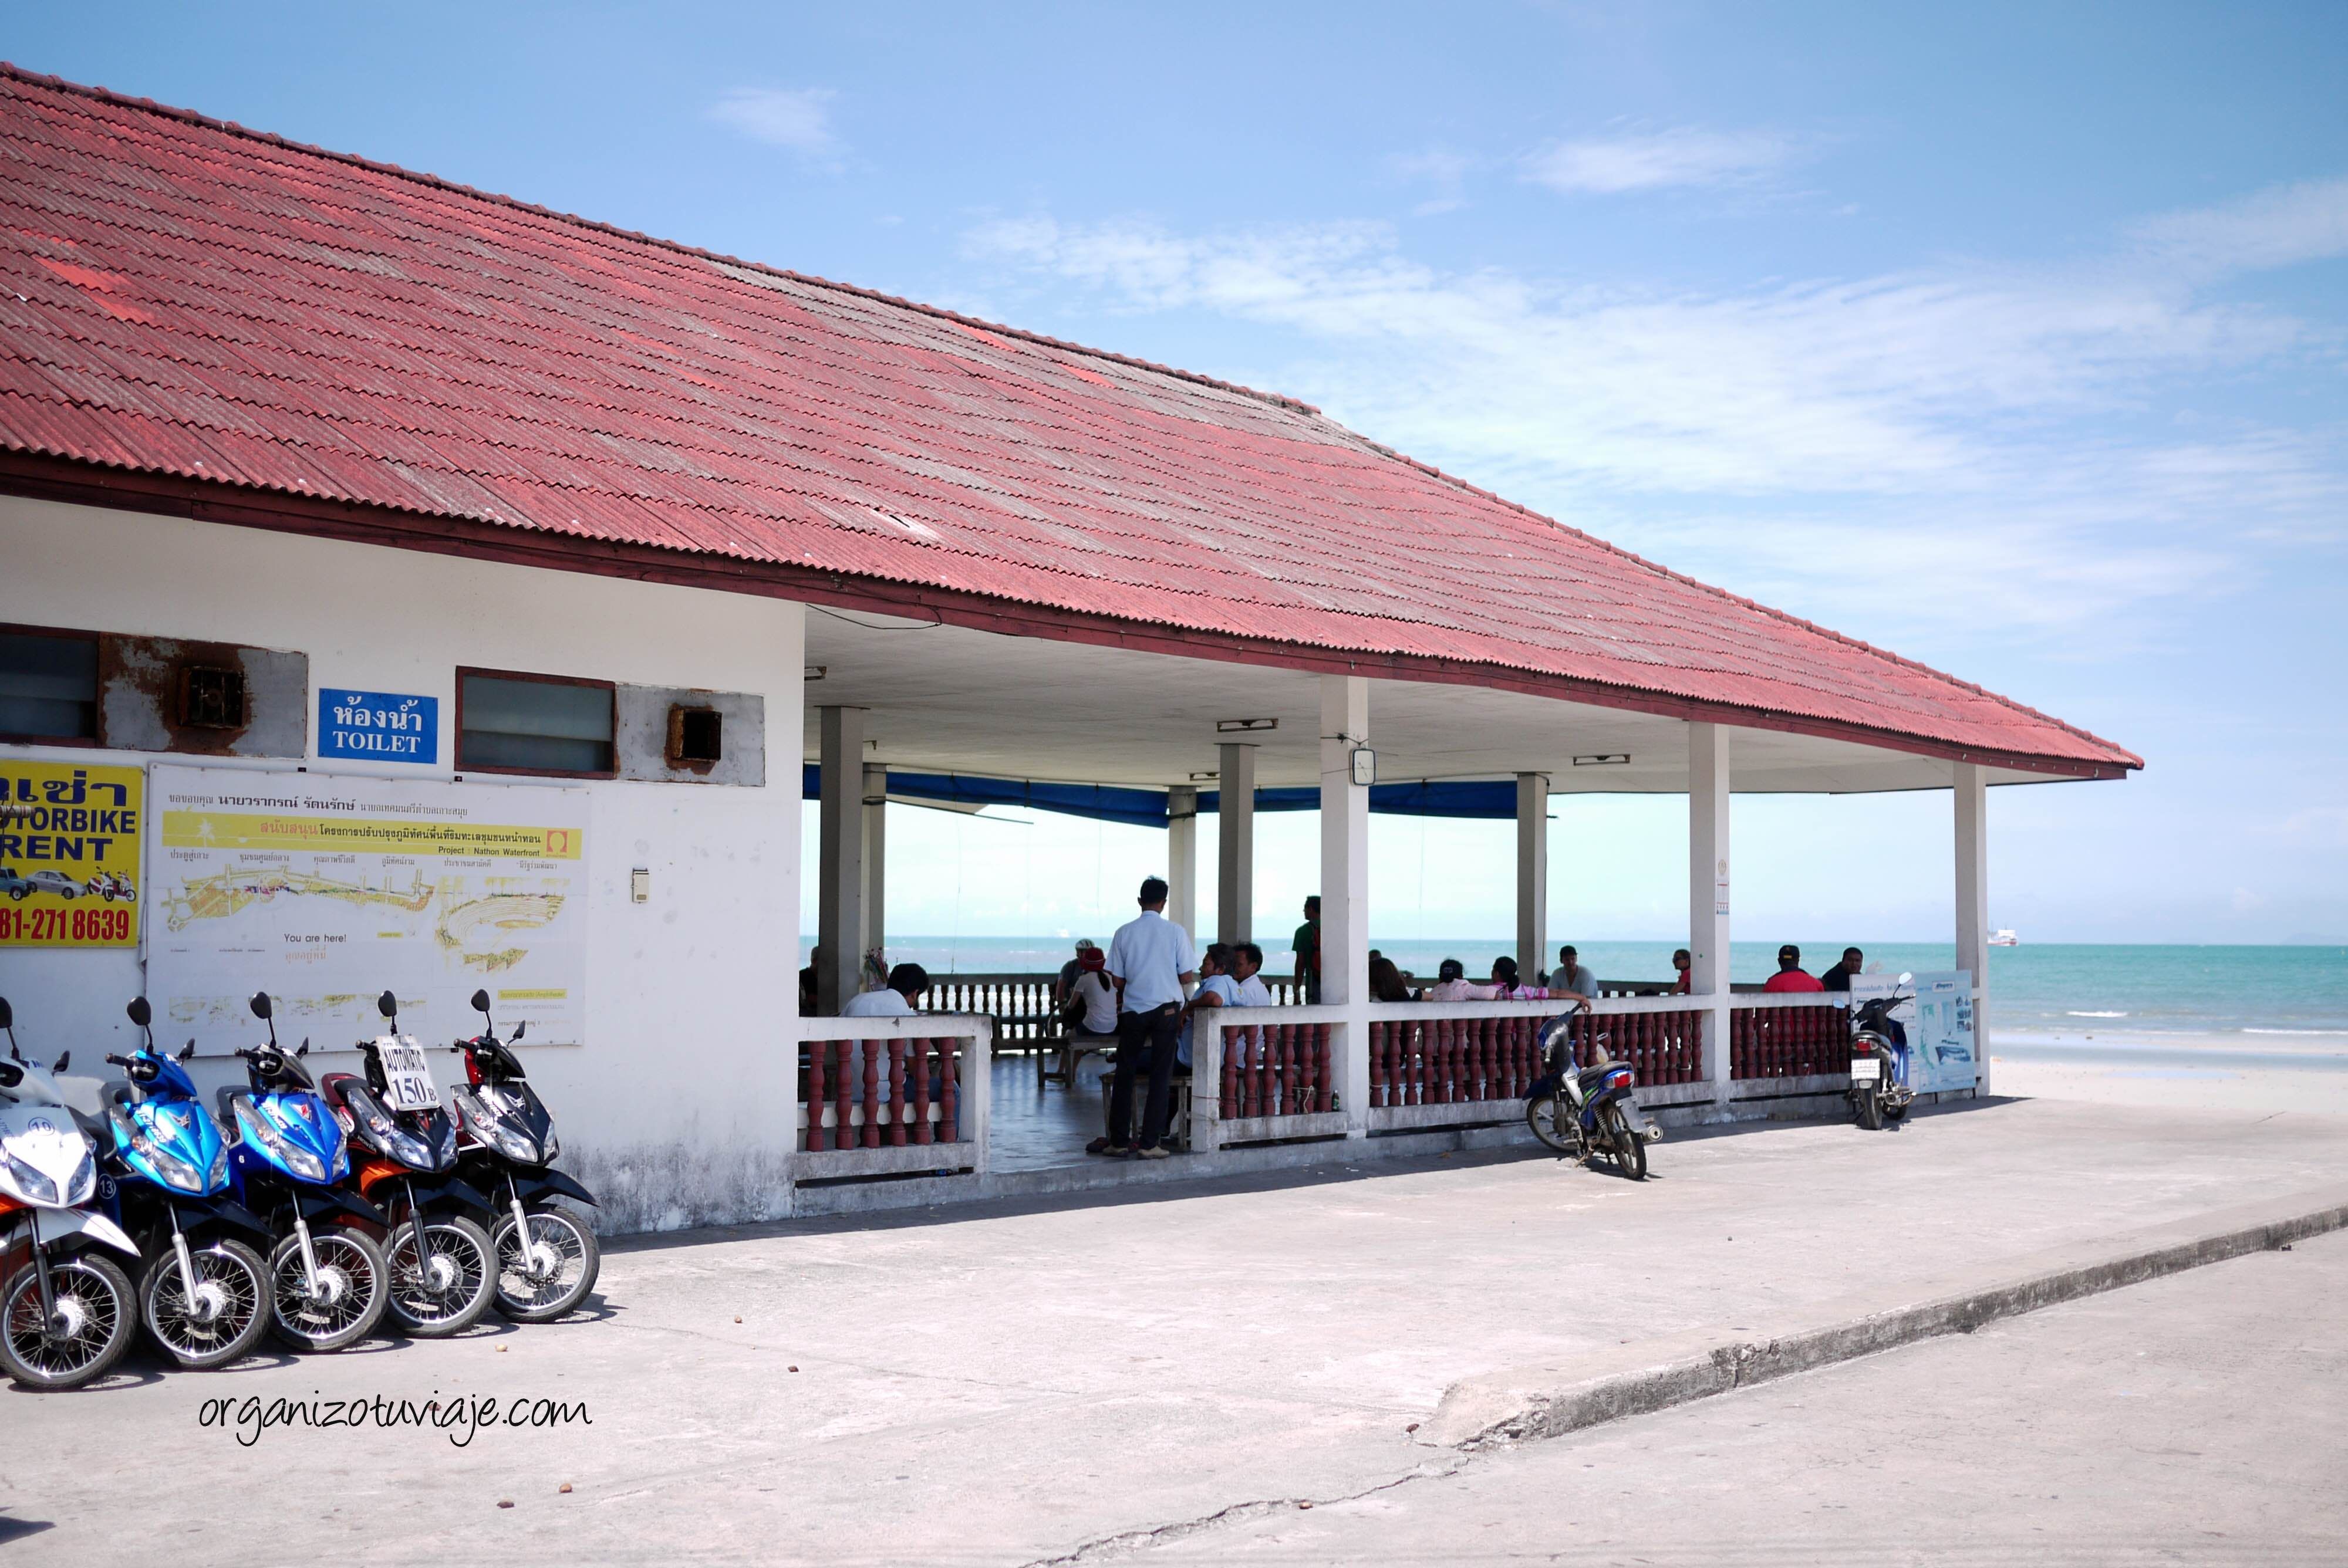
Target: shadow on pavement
x,y
1296,1178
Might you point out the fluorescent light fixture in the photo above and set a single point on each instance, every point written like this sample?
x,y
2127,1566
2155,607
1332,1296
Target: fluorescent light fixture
x,y
817,671
1602,760
1204,778
1244,726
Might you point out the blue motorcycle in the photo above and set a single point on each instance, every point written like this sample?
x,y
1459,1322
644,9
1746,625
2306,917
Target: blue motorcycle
x,y
205,1298
327,1275
1593,1110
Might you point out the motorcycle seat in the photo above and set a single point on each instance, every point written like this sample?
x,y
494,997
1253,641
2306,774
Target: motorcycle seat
x,y
333,1085
1588,1076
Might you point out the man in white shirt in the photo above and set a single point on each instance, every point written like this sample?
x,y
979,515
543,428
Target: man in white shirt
x,y
1149,961
900,998
1571,979
1233,982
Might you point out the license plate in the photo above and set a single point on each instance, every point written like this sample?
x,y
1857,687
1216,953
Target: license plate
x,y
407,1076
1865,1070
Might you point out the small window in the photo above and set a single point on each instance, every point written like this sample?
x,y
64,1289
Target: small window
x,y
212,698
696,736
533,724
48,685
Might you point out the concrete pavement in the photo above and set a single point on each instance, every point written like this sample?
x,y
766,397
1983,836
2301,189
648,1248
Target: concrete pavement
x,y
2199,1418
1009,1383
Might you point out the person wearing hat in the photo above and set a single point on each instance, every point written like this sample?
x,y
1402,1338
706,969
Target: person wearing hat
x,y
1789,976
1451,983
1089,1011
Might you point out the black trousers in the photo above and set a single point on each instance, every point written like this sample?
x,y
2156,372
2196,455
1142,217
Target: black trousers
x,y
1144,1040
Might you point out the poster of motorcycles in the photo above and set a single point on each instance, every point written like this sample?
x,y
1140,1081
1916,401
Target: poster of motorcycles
x,y
1941,1053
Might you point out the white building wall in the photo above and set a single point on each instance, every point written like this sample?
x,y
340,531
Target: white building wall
x,y
677,1108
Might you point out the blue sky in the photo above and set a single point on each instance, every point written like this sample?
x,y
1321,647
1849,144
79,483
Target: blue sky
x,y
2015,338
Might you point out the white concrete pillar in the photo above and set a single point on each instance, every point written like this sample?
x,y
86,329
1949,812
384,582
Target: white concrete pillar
x,y
787,775
1532,876
839,889
1235,847
1345,889
1972,903
1708,893
875,856
1182,857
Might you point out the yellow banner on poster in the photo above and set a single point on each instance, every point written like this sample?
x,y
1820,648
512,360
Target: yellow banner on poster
x,y
69,855
362,835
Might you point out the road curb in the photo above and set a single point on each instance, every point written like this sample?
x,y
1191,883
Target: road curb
x,y
1524,1404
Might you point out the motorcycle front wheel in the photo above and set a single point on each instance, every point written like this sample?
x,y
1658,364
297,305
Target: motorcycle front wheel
x,y
547,1272
1629,1149
226,1314
87,1334
450,1296
1552,1120
349,1301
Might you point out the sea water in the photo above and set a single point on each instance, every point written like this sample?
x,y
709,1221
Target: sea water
x,y
2271,1006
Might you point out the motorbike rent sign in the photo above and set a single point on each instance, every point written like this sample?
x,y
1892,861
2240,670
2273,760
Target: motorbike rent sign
x,y
69,855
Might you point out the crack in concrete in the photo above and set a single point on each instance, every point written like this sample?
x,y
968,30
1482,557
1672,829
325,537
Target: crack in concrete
x,y
1127,1542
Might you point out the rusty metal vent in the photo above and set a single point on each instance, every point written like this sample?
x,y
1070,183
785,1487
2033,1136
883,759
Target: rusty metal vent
x,y
696,736
212,698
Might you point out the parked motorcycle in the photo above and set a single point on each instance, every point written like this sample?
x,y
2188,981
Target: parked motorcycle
x,y
1879,1093
67,1311
110,885
444,1271
327,1275
205,1297
1587,1111
547,1255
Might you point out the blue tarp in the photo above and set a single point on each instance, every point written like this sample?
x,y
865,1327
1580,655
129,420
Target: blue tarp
x,y
1491,798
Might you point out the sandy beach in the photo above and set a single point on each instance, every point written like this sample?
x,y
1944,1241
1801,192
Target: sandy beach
x,y
2297,1072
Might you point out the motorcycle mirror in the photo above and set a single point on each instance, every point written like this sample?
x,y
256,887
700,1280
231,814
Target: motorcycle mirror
x,y
521,1029
387,1005
1905,976
480,1001
7,1014
305,1049
141,1013
65,1059
260,1004
187,1050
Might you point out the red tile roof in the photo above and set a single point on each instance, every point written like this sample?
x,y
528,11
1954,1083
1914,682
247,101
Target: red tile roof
x,y
199,318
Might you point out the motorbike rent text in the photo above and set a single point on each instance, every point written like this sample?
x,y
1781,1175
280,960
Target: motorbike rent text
x,y
69,860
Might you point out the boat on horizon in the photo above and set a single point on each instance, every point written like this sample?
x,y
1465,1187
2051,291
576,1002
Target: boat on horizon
x,y
2003,936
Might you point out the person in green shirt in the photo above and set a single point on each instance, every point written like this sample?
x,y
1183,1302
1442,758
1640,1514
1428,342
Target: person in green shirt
x,y
1307,947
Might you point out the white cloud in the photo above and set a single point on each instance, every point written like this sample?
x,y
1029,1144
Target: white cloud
x,y
1446,171
1654,160
2014,438
2292,223
799,120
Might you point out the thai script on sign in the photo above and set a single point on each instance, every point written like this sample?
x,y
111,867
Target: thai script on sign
x,y
379,726
69,855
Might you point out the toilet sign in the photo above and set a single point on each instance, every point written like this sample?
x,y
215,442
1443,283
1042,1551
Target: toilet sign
x,y
377,726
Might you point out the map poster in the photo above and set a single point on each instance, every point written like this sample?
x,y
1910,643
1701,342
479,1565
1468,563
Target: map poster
x,y
69,855
326,891
1943,1050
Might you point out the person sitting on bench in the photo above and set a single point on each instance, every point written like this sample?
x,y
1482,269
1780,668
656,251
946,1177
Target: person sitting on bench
x,y
1088,1014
